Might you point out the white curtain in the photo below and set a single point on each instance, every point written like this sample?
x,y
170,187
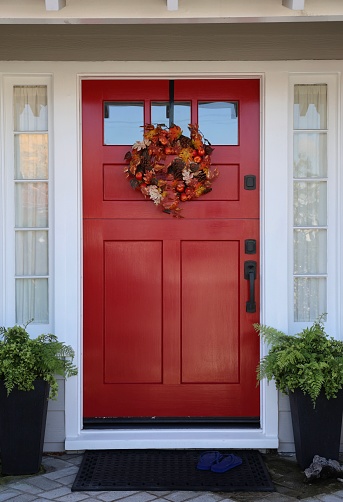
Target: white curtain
x,y
310,106
30,108
32,300
31,203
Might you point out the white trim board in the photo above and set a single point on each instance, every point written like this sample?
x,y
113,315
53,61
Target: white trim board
x,y
265,437
177,439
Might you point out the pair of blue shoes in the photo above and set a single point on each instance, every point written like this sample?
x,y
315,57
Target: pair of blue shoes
x,y
216,462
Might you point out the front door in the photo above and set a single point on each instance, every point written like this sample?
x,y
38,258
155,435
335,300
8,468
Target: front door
x,y
168,303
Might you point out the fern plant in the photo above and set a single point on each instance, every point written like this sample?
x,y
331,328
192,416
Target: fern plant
x,y
24,359
310,360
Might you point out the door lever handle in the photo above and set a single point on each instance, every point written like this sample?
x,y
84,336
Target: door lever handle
x,y
250,275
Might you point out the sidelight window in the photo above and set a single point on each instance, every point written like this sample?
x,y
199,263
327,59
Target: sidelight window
x,y
310,201
31,195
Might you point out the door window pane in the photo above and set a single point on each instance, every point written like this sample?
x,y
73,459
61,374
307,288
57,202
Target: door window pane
x,y
309,298
182,114
123,123
310,155
31,156
310,204
310,251
32,300
31,252
31,205
218,121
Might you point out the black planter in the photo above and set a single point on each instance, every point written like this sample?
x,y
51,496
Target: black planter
x,y
22,428
317,431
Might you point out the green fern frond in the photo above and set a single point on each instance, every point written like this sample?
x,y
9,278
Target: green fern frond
x,y
309,360
24,359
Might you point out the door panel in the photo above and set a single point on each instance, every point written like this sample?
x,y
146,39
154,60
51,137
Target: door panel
x,y
140,264
208,354
166,332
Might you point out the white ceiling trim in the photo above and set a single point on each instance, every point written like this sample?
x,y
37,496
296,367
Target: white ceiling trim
x,y
55,4
294,4
172,4
171,20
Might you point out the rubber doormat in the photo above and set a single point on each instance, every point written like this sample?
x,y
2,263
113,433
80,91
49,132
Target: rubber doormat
x,y
156,470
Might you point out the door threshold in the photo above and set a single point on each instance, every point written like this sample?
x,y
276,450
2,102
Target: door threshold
x,y
172,422
188,437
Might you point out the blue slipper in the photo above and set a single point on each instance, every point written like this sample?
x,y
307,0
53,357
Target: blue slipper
x,y
207,459
225,463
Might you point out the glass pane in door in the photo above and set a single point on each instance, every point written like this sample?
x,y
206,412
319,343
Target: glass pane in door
x,y
218,120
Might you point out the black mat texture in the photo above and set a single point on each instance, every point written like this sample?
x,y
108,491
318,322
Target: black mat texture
x,y
107,470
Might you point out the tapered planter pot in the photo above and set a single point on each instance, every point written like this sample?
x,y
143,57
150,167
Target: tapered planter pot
x,y
317,431
22,428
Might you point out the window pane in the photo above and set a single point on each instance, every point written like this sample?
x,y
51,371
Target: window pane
x,y
182,114
310,204
31,156
310,106
30,108
309,298
310,155
123,123
32,300
218,121
31,252
31,205
310,251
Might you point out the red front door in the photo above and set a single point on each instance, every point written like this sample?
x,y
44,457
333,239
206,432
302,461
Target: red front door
x,y
167,320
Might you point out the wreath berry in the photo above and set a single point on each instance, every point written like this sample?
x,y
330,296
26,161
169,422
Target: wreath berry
x,y
169,167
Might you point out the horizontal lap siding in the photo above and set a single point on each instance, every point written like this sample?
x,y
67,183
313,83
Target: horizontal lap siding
x,y
174,42
55,422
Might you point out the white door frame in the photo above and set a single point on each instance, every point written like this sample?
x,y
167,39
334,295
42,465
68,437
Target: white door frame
x,y
264,437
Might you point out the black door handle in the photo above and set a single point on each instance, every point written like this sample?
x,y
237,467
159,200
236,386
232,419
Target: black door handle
x,y
250,275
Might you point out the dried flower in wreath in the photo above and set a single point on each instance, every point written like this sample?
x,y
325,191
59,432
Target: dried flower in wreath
x,y
170,168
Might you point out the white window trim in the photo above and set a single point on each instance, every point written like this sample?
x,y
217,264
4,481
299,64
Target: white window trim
x,y
9,317
334,219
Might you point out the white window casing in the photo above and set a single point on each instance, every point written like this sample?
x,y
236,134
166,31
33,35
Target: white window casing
x,y
28,203
317,188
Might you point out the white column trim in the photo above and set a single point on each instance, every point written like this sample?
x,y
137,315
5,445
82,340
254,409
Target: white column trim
x,y
55,4
294,4
266,436
172,4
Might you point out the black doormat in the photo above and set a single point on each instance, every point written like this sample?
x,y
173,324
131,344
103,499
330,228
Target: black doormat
x,y
168,470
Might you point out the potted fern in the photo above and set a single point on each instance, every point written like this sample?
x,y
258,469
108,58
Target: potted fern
x,y
308,367
28,370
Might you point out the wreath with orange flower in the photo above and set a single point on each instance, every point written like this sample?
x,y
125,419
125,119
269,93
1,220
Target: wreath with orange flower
x,y
169,167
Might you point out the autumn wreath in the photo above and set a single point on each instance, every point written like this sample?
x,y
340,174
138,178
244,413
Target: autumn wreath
x,y
170,168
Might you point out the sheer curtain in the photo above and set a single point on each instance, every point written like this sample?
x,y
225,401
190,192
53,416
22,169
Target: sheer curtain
x,y
310,201
310,106
31,203
30,105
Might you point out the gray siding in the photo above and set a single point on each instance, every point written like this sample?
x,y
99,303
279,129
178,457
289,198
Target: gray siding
x,y
286,442
55,423
177,42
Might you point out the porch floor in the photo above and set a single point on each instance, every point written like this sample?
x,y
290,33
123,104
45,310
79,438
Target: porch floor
x,y
59,471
